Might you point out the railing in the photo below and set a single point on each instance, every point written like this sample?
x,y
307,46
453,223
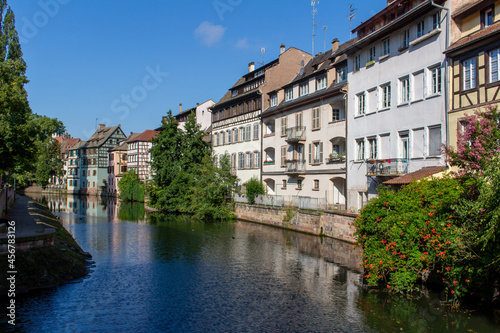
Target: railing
x,y
334,159
387,167
295,166
300,202
295,134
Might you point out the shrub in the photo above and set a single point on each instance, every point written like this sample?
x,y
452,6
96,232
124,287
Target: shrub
x,y
131,188
252,188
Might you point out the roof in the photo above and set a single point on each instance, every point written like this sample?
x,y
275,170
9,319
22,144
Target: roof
x,y
471,8
69,144
100,136
78,145
147,135
475,38
122,144
416,175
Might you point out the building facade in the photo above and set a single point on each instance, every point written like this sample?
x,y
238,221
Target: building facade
x,y
236,118
139,154
473,58
74,171
396,120
117,165
305,131
202,112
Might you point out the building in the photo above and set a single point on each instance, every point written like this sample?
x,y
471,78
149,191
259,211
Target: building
x,y
117,165
74,171
473,60
94,159
202,114
396,119
67,144
305,131
236,118
139,154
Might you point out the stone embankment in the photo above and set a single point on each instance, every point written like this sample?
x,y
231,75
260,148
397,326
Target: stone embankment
x,y
46,255
334,224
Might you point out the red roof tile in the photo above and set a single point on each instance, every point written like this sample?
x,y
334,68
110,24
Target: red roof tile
x,y
147,135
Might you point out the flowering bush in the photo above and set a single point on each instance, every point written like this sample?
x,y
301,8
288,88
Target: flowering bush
x,y
412,235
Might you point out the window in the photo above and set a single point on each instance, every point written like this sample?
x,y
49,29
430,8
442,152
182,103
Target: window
x,y
372,54
361,100
283,125
372,145
248,134
386,96
321,82
404,90
241,161
283,155
494,65
361,199
274,99
316,152
436,20
304,89
386,46
420,28
255,131
217,139
357,62
435,80
316,118
405,39
469,72
223,138
487,17
229,139
242,134
335,114
235,135
316,184
342,74
270,127
256,159
360,150
404,152
434,141
298,119
299,184
249,160
235,93
288,94
283,184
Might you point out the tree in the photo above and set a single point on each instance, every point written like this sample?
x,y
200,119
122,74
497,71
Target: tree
x,y
131,188
16,147
49,163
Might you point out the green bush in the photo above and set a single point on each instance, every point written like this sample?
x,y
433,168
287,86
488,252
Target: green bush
x,y
413,236
252,188
131,188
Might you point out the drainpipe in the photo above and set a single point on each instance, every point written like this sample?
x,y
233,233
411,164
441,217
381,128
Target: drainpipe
x,y
446,60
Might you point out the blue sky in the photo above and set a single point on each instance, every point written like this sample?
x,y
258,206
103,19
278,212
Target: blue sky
x,y
129,62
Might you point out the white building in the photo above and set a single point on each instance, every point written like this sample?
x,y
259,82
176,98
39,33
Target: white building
x,y
305,130
396,106
202,113
236,118
139,154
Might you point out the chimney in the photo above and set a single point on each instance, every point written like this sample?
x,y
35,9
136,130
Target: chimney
x,y
101,126
197,104
180,108
282,48
251,67
335,44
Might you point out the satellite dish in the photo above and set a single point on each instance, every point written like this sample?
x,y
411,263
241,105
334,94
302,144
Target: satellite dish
x,y
302,63
263,50
301,72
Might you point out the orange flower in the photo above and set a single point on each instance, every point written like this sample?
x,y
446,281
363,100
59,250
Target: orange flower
x,y
467,280
381,262
388,287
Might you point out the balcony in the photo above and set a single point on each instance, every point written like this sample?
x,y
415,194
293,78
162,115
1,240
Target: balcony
x,y
295,134
391,167
295,167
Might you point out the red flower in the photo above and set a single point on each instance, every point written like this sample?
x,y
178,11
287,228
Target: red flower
x,y
381,262
388,287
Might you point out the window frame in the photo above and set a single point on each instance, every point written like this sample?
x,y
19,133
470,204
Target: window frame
x,y
288,94
404,90
490,62
472,67
386,95
361,104
386,47
316,118
273,100
304,89
360,150
321,82
420,28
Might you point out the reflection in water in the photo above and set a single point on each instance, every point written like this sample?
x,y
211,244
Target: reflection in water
x,y
170,273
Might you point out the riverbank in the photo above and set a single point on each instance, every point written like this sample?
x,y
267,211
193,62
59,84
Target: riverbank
x,y
48,265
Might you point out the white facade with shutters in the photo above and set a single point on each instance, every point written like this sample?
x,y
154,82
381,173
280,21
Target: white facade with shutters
x,y
396,102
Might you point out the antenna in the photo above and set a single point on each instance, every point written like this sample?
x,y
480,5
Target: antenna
x,y
263,51
324,40
314,11
96,119
352,13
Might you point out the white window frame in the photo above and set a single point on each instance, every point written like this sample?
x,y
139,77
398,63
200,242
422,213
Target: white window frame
x,y
405,39
248,134
386,46
435,80
357,62
284,124
361,103
321,82
316,118
303,89
274,100
255,131
372,54
494,61
342,74
420,28
336,115
373,148
404,90
360,150
288,94
437,152
436,20
385,96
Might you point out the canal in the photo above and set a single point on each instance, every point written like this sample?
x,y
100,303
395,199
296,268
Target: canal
x,y
172,274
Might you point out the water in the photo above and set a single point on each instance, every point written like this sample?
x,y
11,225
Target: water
x,y
172,274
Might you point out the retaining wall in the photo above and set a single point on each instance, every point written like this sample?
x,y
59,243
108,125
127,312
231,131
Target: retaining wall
x,y
337,225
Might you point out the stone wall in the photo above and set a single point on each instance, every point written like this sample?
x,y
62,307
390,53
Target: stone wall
x,y
332,224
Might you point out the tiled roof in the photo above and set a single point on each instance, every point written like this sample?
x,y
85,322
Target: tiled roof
x,y
147,135
69,144
475,37
78,145
100,136
416,175
122,144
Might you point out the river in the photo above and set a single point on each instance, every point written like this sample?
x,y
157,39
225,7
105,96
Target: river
x,y
173,274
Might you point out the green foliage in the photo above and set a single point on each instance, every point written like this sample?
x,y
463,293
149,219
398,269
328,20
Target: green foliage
x,y
289,213
185,177
131,211
413,235
49,162
131,188
253,187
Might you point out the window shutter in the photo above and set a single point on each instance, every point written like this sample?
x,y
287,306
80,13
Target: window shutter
x,y
310,153
320,152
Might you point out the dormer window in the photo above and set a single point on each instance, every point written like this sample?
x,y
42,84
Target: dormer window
x,y
235,93
321,82
288,94
487,17
274,100
304,89
342,74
